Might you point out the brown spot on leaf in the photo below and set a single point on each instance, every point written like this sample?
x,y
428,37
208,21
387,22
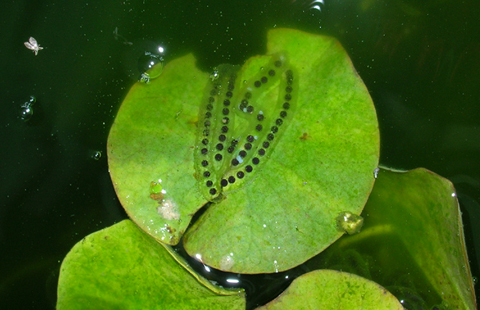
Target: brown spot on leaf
x,y
156,196
305,136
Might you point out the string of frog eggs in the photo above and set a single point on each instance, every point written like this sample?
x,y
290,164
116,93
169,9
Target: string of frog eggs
x,y
225,158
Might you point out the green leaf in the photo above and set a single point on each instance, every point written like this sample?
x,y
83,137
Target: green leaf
x,y
330,289
423,211
412,242
121,267
280,155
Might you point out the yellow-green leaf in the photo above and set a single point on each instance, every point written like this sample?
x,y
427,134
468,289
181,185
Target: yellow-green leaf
x,y
333,290
279,148
121,267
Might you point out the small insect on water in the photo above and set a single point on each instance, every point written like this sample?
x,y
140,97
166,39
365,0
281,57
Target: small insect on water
x,y
33,45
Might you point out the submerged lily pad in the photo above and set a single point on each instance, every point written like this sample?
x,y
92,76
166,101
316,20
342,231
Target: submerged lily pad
x,y
412,242
330,289
279,148
121,267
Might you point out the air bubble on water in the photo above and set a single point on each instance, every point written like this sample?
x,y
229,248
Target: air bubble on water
x,y
150,64
97,155
26,113
308,5
26,109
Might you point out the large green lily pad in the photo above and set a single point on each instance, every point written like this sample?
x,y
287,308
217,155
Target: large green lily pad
x,y
412,242
279,148
330,289
121,267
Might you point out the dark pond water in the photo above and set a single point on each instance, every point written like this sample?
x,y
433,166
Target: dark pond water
x,y
419,60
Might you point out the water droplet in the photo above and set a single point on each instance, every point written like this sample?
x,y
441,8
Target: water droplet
x,y
214,76
150,65
26,113
97,155
156,191
26,109
226,262
349,222
143,59
155,187
276,266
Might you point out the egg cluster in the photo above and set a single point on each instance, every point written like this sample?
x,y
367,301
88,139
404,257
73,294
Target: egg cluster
x,y
240,123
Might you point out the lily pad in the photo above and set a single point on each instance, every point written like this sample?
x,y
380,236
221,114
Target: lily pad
x,y
412,242
330,289
121,267
276,149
